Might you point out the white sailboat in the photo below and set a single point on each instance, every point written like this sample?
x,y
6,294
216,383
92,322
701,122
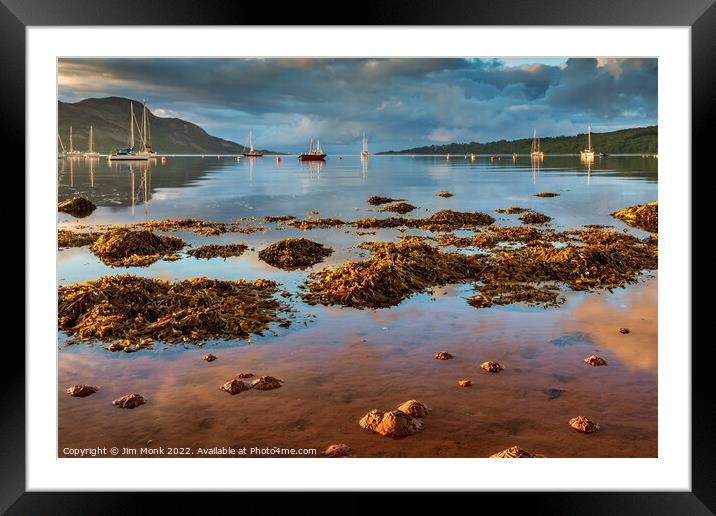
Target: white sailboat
x,y
130,153
251,153
588,153
536,152
364,152
72,153
61,154
90,151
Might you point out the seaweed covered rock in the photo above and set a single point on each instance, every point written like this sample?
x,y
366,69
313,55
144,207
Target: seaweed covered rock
x,y
218,251
201,227
449,219
123,247
643,216
119,307
515,452
235,387
415,408
583,424
129,401
511,210
464,383
208,358
311,223
337,450
391,274
79,207
67,238
377,200
534,217
81,390
492,367
245,375
400,207
266,383
443,355
393,424
594,360
444,194
294,253
546,194
278,218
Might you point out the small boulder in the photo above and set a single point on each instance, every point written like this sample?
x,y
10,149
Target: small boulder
x,y
514,452
464,383
245,375
492,367
266,383
415,408
337,450
624,330
77,207
583,424
235,386
371,419
594,360
443,355
208,358
129,401
391,424
82,391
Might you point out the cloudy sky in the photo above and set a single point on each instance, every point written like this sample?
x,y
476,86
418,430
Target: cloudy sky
x,y
399,103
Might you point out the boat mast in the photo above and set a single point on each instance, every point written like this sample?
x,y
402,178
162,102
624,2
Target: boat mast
x,y
71,150
251,141
144,126
589,138
131,124
91,142
61,144
534,141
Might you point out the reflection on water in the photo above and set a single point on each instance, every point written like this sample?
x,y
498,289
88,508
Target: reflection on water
x,y
350,361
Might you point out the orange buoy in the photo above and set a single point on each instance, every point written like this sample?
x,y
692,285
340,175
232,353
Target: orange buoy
x,y
164,160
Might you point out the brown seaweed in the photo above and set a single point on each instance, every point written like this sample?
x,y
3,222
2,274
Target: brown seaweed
x,y
67,238
218,251
643,216
126,248
534,217
294,253
400,207
79,207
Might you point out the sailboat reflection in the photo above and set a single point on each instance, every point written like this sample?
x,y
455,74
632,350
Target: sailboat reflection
x,y
536,162
314,166
364,169
140,175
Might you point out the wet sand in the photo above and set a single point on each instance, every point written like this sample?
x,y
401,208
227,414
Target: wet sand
x,y
338,369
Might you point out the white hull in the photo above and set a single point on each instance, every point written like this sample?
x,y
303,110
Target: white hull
x,y
586,155
537,155
129,157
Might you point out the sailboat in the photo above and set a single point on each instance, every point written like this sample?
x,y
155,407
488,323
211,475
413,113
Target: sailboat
x,y
90,151
588,153
364,152
251,153
536,152
62,153
130,153
313,154
72,153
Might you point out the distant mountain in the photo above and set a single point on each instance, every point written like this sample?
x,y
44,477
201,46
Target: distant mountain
x,y
110,118
625,141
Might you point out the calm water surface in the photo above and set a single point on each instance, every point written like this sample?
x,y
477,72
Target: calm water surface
x,y
345,362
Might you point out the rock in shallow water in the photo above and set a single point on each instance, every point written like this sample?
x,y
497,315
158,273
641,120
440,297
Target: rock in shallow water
x,y
583,424
208,358
235,386
515,452
129,401
415,408
492,367
594,360
337,450
464,383
391,424
443,355
82,391
266,383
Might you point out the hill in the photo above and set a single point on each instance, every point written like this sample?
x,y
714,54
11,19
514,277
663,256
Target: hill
x,y
640,140
110,118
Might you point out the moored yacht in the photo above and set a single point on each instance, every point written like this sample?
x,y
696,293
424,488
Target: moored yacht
x,y
313,154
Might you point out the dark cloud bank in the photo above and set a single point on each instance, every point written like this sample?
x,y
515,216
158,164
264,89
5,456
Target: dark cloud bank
x,y
399,102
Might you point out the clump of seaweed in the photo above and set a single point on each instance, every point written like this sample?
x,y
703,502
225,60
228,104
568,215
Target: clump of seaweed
x,y
131,308
492,367
376,200
201,227
391,274
510,293
449,219
373,222
294,253
546,194
79,207
534,217
511,210
444,194
311,223
126,248
400,207
644,216
278,218
218,251
67,238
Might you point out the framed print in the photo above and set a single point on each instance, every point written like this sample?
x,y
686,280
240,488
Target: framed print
x,y
372,257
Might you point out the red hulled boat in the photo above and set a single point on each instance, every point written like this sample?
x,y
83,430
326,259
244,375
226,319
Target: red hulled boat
x,y
313,154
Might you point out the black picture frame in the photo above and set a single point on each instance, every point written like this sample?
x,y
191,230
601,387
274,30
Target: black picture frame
x,y
16,15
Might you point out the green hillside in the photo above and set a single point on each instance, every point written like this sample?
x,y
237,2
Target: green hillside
x,y
110,119
640,140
